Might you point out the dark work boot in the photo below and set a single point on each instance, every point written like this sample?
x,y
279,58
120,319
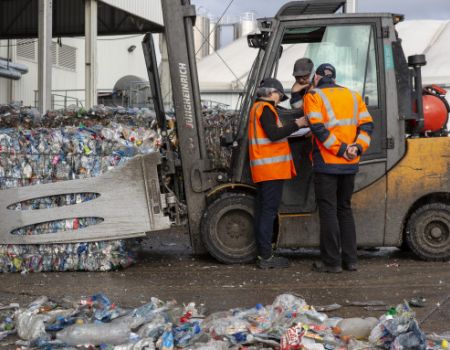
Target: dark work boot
x,y
319,266
274,262
350,266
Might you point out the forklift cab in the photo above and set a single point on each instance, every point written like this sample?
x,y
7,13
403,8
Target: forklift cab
x,y
356,46
360,46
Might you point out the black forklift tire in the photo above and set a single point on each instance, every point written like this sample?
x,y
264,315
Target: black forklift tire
x,y
428,232
227,228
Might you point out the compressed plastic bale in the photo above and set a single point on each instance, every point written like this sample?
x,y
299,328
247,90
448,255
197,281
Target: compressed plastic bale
x,y
42,155
75,144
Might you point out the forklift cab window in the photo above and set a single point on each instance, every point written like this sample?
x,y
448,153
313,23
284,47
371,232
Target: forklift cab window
x,y
350,48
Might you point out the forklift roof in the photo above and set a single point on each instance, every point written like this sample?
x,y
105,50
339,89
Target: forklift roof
x,y
310,7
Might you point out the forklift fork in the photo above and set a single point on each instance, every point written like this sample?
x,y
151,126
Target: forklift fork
x,y
127,203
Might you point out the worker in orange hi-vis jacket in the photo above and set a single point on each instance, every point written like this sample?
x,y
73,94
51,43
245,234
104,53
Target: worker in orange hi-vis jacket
x,y
270,164
341,128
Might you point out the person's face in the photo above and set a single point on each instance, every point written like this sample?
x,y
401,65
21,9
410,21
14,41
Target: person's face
x,y
303,79
276,96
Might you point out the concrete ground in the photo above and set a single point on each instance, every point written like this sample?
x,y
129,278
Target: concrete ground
x,y
167,270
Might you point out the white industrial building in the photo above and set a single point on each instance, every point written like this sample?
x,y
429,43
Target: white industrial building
x,y
117,57
68,78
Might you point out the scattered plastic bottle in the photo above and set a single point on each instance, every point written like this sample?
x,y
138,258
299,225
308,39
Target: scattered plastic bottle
x,y
95,334
357,327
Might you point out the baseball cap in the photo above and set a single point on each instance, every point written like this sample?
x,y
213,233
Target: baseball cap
x,y
326,69
303,66
275,84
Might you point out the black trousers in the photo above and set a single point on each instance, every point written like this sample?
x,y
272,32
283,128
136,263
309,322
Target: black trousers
x,y
268,200
337,225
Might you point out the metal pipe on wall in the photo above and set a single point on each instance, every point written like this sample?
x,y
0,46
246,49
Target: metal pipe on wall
x,y
45,21
91,52
21,68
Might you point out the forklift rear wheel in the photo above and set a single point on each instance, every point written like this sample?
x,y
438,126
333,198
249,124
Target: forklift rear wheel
x,y
428,232
227,228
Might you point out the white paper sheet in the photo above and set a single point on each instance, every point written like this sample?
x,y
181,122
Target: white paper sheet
x,y
300,132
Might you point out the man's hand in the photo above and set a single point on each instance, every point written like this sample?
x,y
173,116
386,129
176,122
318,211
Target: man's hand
x,y
298,87
301,122
351,152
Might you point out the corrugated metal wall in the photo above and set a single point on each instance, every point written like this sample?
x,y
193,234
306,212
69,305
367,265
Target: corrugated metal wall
x,y
19,18
147,9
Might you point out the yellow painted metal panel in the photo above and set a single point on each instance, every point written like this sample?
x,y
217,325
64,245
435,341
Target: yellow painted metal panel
x,y
424,170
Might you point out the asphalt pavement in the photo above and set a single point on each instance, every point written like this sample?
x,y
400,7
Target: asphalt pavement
x,y
166,269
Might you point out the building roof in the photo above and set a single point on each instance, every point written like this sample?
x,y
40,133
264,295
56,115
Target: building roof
x,y
429,37
19,19
226,69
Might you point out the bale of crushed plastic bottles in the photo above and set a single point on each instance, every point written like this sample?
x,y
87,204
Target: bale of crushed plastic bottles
x,y
73,144
60,146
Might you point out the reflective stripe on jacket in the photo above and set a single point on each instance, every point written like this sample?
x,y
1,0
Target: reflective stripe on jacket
x,y
269,160
338,118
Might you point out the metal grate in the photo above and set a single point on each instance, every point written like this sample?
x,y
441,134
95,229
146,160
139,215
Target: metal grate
x,y
54,53
64,56
67,57
26,48
310,7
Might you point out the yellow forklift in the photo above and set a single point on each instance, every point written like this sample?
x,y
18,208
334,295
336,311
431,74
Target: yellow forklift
x,y
402,194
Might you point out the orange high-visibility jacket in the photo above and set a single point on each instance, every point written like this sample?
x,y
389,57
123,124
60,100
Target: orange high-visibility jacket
x,y
269,160
338,117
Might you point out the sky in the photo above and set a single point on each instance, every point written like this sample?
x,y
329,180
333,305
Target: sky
x,y
412,9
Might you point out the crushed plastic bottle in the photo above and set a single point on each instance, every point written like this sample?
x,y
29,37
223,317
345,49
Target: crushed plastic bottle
x,y
166,342
357,327
95,334
153,329
29,323
316,316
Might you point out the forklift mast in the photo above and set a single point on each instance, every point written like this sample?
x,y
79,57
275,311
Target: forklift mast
x,y
179,19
